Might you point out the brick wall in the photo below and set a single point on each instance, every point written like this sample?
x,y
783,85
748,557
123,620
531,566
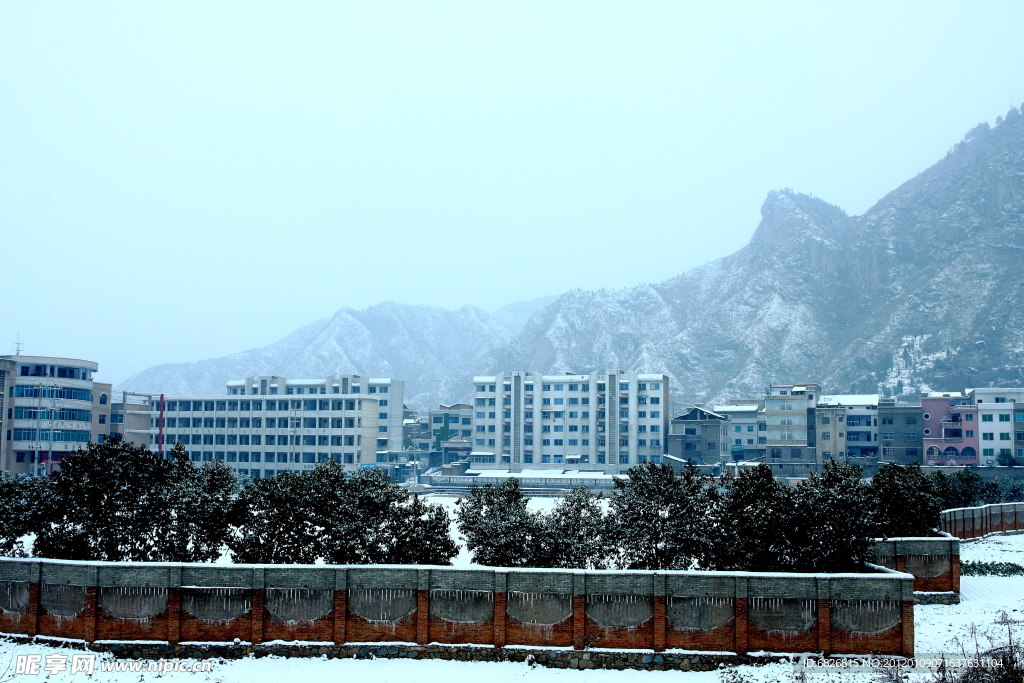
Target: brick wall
x,y
933,561
627,610
982,520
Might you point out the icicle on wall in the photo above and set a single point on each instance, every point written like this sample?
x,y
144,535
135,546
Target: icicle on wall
x,y
216,604
542,609
14,596
462,606
928,566
620,610
865,616
130,602
702,613
784,615
299,604
62,600
382,604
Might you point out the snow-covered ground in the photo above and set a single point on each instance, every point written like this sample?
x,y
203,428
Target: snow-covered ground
x,y
1008,548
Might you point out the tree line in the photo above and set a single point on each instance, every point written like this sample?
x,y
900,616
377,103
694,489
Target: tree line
x,y
116,502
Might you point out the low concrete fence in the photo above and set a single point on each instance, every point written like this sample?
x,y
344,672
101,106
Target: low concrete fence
x,y
982,520
709,611
934,561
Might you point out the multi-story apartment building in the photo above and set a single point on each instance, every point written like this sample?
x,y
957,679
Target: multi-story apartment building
x,y
1018,433
899,432
450,422
605,420
996,415
790,428
745,435
7,374
861,423
951,429
53,407
268,424
700,436
830,431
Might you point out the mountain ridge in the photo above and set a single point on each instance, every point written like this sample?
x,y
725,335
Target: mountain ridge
x,y
923,290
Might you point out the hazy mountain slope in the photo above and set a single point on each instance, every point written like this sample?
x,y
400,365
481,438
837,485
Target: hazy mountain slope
x,y
515,315
926,289
434,349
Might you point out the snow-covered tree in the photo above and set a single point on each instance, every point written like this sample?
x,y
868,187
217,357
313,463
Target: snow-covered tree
x,y
658,520
753,523
273,522
418,533
199,502
106,502
17,500
499,529
905,501
833,522
576,532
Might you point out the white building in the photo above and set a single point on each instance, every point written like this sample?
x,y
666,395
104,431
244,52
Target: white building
x,y
997,424
51,408
602,421
267,424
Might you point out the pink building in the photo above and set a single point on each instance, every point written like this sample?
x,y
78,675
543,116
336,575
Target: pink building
x,y
950,429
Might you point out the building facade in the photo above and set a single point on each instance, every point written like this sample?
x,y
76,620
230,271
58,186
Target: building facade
x,y
951,429
899,432
603,421
699,436
267,424
997,426
53,407
745,435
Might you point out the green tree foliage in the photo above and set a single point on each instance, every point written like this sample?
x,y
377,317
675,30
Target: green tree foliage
x,y
576,532
833,520
17,499
905,501
418,533
274,522
499,530
336,517
753,522
117,502
658,520
199,502
106,502
963,489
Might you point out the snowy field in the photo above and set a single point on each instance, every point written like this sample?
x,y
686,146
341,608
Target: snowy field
x,y
1008,548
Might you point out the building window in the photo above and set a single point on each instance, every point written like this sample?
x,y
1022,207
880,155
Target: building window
x,y
103,399
986,418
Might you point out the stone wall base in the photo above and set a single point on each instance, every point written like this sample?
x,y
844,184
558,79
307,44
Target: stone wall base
x,y
550,658
921,598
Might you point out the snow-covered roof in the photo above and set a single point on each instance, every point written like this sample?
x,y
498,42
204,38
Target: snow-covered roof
x,y
236,382
849,400
483,378
379,380
542,474
736,409
306,381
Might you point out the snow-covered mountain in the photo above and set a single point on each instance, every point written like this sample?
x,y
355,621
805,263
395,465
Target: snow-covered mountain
x,y
926,289
435,350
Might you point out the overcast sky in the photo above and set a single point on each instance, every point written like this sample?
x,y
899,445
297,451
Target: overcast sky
x,y
181,181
